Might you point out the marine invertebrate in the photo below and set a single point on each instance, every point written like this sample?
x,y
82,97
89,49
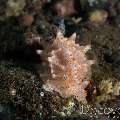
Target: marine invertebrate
x,y
106,91
106,87
65,8
27,20
15,7
70,69
98,16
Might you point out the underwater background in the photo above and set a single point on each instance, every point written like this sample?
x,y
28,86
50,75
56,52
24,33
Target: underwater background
x,y
28,32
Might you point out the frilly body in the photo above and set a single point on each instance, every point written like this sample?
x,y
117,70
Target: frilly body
x,y
70,68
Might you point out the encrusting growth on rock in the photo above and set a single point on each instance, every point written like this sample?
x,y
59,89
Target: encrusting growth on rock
x,y
70,69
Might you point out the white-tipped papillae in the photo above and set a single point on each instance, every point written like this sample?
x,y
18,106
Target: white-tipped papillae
x,y
69,68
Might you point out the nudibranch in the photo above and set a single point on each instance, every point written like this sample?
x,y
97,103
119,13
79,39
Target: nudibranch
x,y
70,68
